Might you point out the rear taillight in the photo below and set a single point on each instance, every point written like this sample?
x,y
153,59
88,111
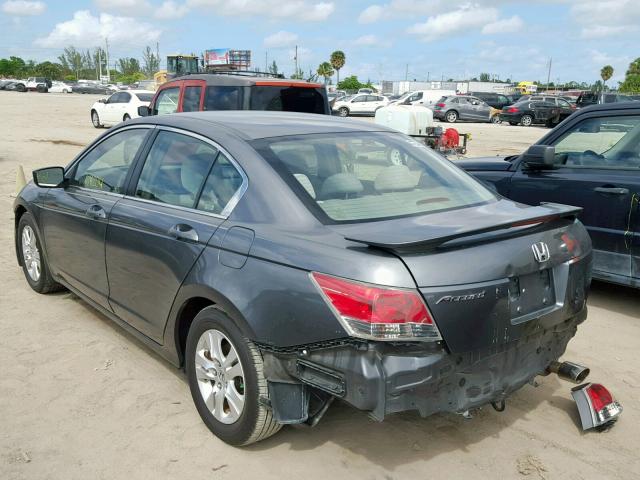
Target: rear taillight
x,y
513,110
571,245
596,405
440,105
378,313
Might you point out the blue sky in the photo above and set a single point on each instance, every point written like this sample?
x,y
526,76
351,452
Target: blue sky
x,y
435,38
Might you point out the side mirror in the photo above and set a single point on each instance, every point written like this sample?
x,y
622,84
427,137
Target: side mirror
x,y
539,157
144,111
49,177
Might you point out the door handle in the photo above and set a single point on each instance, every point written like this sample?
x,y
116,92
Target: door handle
x,y
184,232
96,212
612,190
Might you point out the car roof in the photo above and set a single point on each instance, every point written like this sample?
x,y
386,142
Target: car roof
x,y
632,105
252,124
139,91
245,81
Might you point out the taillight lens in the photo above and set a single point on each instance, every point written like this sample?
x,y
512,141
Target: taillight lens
x,y
378,313
571,245
512,110
602,403
440,105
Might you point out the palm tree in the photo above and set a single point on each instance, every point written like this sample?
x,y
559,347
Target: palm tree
x,y
325,70
337,62
606,73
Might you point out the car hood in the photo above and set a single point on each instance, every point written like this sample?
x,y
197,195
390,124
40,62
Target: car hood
x,y
484,163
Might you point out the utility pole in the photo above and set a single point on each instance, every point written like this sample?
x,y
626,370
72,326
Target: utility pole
x,y
549,72
406,73
266,61
428,76
158,54
106,40
296,59
100,65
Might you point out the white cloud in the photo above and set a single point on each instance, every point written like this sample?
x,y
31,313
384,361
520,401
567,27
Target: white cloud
x,y
505,25
606,18
170,10
465,18
23,7
367,41
371,14
86,30
125,7
302,10
280,39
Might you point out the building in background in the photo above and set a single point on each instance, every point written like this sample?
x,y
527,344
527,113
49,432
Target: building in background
x,y
226,59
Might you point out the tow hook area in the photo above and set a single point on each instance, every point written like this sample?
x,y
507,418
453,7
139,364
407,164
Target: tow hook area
x,y
597,407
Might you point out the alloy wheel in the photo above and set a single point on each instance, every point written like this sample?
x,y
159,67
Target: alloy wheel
x,y
220,376
30,253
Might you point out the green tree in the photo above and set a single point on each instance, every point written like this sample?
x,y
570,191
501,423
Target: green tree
x,y
631,82
606,73
151,61
273,68
129,66
350,83
337,61
54,71
325,70
485,77
71,60
298,75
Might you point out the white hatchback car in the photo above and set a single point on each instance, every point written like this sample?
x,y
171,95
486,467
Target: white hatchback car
x,y
60,87
119,107
360,104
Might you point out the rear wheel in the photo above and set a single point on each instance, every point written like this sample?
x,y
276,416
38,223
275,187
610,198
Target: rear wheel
x,y
21,88
343,112
226,379
34,265
451,116
495,119
526,120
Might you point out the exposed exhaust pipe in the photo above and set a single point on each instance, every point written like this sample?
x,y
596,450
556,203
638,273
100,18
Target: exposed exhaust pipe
x,y
569,371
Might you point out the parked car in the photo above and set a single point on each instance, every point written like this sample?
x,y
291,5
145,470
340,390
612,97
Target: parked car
x,y
94,88
495,100
16,85
461,107
333,97
40,84
285,261
360,104
366,90
119,107
5,83
595,98
592,160
60,87
237,92
531,112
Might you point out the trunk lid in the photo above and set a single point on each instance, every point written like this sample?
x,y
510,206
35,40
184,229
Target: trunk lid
x,y
478,273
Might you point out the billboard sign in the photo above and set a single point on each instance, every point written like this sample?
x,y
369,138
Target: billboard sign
x,y
217,56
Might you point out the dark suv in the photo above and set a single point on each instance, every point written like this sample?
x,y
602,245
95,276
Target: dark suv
x,y
495,100
237,92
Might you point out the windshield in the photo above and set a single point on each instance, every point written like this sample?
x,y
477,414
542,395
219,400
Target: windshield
x,y
144,97
365,176
289,99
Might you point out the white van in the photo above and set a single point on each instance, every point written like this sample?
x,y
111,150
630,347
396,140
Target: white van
x,y
425,98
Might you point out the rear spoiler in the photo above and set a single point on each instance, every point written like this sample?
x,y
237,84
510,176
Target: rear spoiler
x,y
567,213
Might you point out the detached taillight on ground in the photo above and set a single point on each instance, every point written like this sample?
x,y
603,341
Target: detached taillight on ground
x,y
596,405
378,313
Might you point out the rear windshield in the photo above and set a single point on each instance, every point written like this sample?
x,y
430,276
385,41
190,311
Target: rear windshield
x,y
289,99
365,176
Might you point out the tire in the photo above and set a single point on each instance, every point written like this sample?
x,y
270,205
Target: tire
x,y
34,264
64,90
526,120
343,112
126,117
495,119
95,119
451,116
21,88
236,426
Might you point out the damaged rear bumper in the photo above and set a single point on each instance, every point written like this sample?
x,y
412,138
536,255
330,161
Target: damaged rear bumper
x,y
383,378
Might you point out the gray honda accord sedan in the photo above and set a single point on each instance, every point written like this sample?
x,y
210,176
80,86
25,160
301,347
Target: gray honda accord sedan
x,y
287,260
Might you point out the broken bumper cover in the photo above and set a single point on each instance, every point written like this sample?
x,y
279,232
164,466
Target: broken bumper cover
x,y
384,378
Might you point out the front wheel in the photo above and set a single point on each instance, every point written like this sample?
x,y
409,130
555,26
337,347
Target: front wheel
x,y
34,264
451,116
343,112
526,120
226,380
95,119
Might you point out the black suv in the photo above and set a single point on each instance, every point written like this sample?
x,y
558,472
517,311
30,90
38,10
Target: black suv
x,y
495,100
237,92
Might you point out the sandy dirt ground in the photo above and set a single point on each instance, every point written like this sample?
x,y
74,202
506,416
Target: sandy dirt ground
x,y
81,399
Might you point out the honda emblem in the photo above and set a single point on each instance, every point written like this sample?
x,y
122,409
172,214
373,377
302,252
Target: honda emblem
x,y
541,252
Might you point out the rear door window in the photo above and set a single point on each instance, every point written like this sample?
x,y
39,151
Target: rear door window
x,y
288,99
191,99
175,169
167,101
222,184
223,98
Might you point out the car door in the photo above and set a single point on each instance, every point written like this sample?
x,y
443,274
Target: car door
x,y
465,109
416,99
112,108
167,100
192,98
359,104
481,110
157,232
120,107
597,168
74,218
